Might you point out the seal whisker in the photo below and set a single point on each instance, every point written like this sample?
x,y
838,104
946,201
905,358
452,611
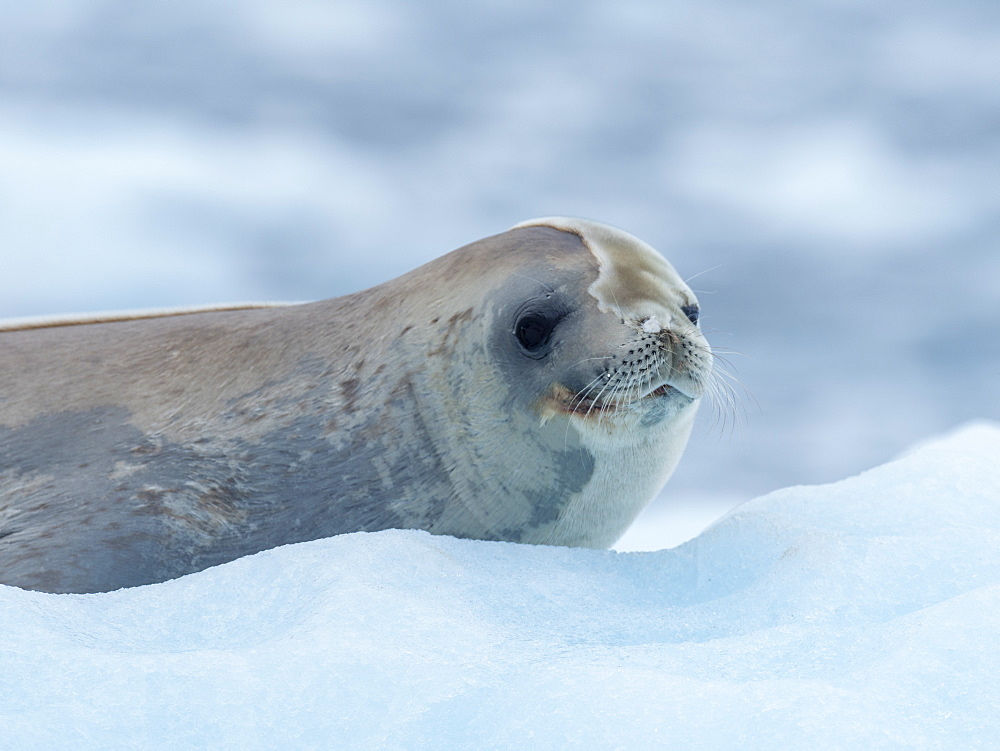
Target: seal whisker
x,y
607,376
584,394
591,359
614,383
724,395
616,388
544,286
717,266
578,400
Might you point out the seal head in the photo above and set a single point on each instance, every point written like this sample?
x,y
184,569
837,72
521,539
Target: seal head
x,y
595,362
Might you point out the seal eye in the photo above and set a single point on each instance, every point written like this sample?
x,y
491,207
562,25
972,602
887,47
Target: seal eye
x,y
533,331
692,312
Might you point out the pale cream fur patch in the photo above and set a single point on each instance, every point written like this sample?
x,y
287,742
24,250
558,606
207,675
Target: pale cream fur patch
x,y
634,279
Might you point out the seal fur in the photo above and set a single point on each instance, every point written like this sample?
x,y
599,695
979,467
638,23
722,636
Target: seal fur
x,y
536,386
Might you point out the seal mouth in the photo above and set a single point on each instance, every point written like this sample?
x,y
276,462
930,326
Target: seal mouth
x,y
671,390
663,390
581,404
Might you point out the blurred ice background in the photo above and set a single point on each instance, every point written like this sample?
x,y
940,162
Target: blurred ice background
x,y
828,170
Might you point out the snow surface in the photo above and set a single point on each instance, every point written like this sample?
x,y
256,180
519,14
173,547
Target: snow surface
x,y
861,614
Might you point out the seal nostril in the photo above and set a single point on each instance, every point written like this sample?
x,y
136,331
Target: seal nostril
x,y
692,312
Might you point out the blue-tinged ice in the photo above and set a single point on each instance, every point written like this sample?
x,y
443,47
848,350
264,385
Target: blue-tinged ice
x,y
862,614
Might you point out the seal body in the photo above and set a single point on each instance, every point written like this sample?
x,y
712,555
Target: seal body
x,y
536,386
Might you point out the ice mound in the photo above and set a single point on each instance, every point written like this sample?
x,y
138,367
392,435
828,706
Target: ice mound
x,y
862,614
